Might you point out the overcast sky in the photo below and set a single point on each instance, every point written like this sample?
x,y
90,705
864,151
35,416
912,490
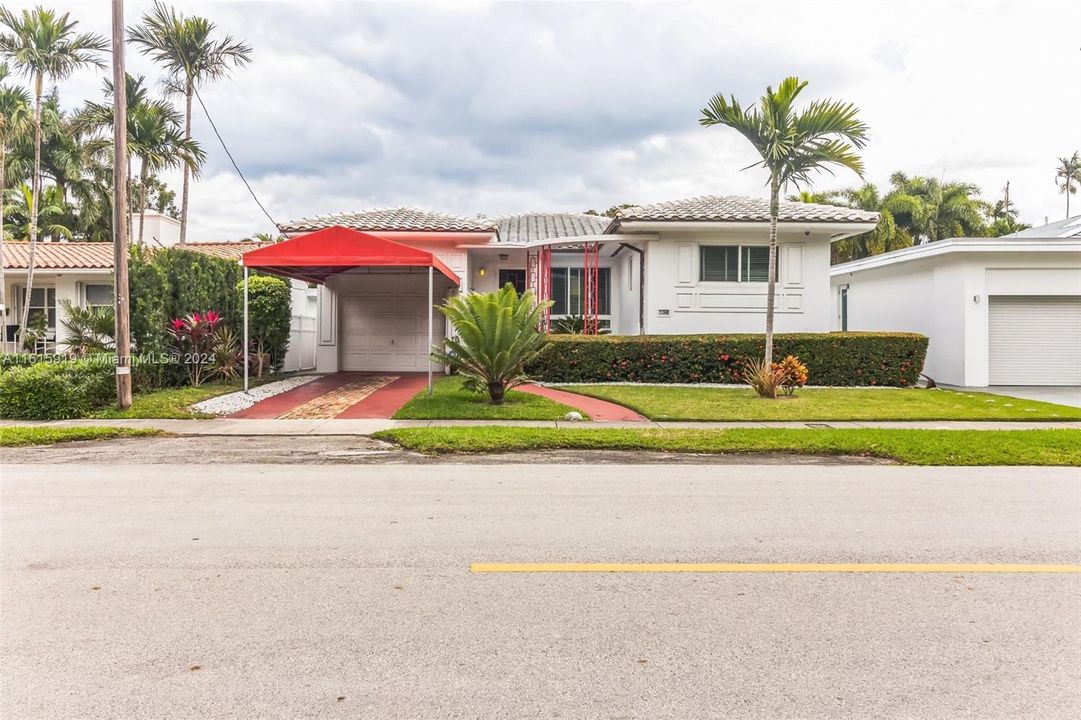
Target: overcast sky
x,y
471,107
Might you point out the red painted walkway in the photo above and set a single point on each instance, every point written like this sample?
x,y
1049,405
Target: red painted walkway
x,y
277,405
380,405
386,401
593,407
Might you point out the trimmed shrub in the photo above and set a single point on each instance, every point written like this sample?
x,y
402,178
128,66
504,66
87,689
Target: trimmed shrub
x,y
56,390
269,316
843,359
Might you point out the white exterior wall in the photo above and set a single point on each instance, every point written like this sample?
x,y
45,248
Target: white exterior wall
x,y
69,285
693,306
946,298
158,230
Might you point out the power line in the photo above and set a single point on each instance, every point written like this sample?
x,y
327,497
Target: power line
x,y
235,166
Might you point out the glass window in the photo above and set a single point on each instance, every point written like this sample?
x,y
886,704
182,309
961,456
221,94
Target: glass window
x,y
43,302
513,276
754,265
559,291
99,296
568,290
718,263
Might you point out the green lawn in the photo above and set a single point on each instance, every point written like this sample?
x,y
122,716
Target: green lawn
x,y
912,447
450,401
691,403
170,403
24,435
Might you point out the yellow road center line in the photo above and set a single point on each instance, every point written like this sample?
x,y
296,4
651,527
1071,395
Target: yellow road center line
x,y
771,568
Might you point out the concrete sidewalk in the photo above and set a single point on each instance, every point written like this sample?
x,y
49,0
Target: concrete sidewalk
x,y
227,426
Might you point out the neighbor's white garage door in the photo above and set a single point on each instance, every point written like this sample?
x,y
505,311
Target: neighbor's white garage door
x,y
387,331
1035,340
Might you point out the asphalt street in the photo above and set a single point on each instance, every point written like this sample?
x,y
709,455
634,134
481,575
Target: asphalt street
x,y
322,591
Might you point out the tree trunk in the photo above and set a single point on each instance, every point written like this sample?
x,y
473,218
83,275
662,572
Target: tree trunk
x,y
774,210
3,278
35,192
184,192
496,393
142,198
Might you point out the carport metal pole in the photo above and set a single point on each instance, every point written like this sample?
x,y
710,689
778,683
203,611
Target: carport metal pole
x,y
431,321
245,328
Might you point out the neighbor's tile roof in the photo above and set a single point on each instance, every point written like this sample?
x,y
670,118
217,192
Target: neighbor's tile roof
x,y
99,255
1068,228
391,219
223,250
734,208
59,255
529,227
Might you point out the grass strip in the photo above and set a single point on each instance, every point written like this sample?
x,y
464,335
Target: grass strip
x,y
19,435
824,404
911,447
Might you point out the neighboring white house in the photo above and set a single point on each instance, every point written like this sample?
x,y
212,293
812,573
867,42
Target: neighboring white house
x,y
998,311
692,266
82,273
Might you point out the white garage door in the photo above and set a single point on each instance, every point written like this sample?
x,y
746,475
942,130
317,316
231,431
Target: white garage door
x,y
1035,340
386,331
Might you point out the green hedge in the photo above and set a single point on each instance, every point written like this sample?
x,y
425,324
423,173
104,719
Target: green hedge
x,y
847,359
55,390
36,387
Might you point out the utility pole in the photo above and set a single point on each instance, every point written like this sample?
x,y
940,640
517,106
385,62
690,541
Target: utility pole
x,y
1007,203
120,212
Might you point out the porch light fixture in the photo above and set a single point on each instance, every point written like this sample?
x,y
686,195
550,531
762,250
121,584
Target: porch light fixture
x,y
481,271
503,256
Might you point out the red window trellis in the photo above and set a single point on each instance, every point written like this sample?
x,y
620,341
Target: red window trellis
x,y
591,271
539,280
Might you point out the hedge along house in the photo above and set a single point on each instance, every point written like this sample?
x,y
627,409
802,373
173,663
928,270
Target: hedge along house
x,y
692,266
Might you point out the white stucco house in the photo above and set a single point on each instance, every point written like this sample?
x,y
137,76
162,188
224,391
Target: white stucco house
x,y
690,266
998,311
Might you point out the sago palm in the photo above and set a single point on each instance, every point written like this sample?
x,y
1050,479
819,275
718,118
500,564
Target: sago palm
x,y
190,56
496,337
44,46
1068,177
793,144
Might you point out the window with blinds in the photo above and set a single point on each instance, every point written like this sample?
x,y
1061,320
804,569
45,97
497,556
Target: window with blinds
x,y
733,263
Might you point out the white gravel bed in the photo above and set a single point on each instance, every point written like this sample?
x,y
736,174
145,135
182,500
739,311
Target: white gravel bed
x,y
240,400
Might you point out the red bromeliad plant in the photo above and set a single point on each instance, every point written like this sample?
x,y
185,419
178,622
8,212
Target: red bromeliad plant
x,y
194,337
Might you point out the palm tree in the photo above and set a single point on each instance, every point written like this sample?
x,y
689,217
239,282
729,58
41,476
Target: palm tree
x,y
1068,177
14,122
44,46
792,145
154,135
497,337
190,57
929,209
53,213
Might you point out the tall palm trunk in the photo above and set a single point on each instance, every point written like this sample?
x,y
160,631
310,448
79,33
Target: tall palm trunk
x,y
3,278
774,211
142,198
35,192
189,91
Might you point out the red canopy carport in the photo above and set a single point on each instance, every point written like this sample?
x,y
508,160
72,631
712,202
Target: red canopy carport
x,y
316,256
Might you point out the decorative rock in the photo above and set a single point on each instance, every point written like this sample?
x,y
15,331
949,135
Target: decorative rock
x,y
237,401
573,416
